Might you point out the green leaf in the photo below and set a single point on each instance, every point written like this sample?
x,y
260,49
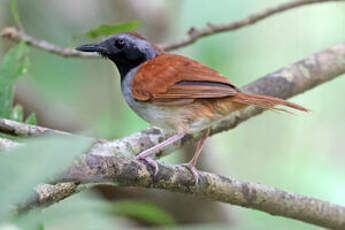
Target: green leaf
x,y
145,211
24,66
15,13
14,64
17,113
40,227
36,161
31,119
112,29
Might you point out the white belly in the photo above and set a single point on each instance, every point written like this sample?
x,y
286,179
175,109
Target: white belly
x,y
154,114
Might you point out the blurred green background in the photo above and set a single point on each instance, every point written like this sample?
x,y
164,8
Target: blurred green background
x,y
303,154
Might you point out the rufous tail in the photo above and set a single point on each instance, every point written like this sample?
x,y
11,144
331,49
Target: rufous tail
x,y
265,102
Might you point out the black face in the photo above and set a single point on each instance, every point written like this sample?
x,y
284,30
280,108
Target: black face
x,y
125,50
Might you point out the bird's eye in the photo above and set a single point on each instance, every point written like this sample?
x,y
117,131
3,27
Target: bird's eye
x,y
120,43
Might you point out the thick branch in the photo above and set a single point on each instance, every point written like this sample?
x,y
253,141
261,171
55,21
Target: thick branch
x,y
127,172
192,36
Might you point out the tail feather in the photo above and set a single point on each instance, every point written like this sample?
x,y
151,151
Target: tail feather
x,y
265,102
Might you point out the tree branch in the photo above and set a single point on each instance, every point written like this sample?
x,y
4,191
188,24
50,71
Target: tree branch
x,y
47,194
192,36
19,129
128,172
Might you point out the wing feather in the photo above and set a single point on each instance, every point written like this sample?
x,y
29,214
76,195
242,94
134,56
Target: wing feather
x,y
170,77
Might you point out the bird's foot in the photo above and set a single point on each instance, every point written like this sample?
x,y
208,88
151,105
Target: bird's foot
x,y
151,162
193,170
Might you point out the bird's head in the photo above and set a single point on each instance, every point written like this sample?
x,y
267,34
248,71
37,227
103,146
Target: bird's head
x,y
126,50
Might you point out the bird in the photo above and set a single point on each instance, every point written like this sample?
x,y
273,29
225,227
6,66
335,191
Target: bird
x,y
174,92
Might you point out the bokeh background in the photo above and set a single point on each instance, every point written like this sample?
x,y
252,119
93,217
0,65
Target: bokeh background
x,y
303,154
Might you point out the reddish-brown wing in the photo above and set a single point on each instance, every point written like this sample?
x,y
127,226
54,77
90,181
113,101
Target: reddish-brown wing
x,y
170,77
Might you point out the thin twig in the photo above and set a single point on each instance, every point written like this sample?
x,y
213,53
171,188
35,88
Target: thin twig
x,y
17,35
195,34
24,130
192,36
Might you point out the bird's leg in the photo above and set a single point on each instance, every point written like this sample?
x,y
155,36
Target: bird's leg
x,y
191,164
145,155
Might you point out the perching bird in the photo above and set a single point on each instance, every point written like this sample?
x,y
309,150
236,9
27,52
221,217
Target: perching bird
x,y
175,92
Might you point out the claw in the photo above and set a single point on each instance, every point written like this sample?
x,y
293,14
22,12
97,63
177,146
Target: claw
x,y
151,162
193,170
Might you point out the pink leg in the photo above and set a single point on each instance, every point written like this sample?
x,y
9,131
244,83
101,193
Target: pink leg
x,y
191,164
145,154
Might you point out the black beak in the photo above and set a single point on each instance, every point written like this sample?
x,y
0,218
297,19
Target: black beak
x,y
97,47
